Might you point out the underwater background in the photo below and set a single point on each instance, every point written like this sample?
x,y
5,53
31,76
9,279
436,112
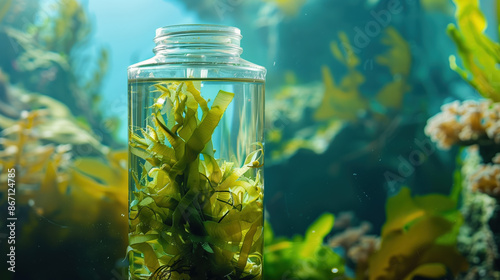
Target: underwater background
x,y
382,133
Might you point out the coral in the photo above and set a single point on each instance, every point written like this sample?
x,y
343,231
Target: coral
x,y
302,257
478,53
345,101
443,6
356,244
4,8
487,178
466,123
361,252
329,108
64,201
350,236
418,239
476,123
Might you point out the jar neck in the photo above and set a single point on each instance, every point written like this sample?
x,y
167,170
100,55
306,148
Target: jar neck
x,y
198,40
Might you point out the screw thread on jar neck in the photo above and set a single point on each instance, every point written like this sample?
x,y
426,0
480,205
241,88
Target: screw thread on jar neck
x,y
198,39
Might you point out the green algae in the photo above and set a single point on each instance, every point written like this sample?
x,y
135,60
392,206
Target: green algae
x,y
192,216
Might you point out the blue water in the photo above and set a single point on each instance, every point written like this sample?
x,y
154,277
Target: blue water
x,y
128,29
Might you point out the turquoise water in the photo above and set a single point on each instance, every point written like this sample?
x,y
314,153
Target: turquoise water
x,y
367,175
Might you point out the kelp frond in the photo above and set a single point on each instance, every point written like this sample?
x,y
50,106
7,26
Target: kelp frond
x,y
479,54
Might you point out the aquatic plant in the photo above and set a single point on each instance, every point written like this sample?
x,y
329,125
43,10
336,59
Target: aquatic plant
x,y
44,58
479,54
361,252
487,178
443,6
4,8
345,101
329,108
418,239
54,188
289,108
355,242
475,124
302,257
477,235
350,236
191,215
21,149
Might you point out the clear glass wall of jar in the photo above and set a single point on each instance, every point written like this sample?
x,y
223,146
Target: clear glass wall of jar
x,y
196,117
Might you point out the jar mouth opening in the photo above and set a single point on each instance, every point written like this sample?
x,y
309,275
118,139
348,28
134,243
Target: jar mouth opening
x,y
189,29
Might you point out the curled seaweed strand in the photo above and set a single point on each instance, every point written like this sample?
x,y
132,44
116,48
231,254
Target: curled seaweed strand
x,y
139,212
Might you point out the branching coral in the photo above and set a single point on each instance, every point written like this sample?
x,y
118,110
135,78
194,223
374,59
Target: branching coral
x,y
476,124
479,54
357,245
467,123
361,252
192,216
64,200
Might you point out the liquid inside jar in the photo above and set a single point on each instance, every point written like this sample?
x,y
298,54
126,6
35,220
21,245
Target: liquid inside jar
x,y
196,179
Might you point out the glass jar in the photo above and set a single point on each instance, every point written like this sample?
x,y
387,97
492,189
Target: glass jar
x,y
196,117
